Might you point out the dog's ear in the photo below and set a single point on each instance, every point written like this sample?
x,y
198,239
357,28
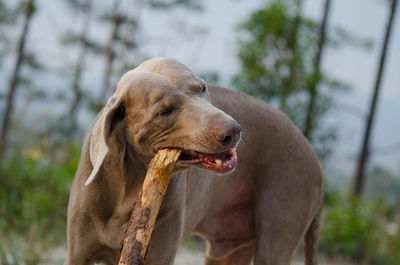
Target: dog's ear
x,y
101,131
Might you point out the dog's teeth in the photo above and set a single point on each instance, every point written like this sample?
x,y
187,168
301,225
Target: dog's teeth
x,y
218,162
232,151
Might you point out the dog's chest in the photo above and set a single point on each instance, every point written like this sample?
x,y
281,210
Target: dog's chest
x,y
233,224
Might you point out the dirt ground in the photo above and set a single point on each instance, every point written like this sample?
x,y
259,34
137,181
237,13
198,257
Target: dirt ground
x,y
186,256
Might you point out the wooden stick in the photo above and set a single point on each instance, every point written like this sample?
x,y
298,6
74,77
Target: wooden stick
x,y
146,207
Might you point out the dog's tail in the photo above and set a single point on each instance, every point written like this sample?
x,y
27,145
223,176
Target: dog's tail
x,y
311,241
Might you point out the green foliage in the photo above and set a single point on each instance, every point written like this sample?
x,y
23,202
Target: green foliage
x,y
360,232
276,57
343,37
277,47
71,38
78,4
346,231
126,40
331,196
18,251
33,62
165,4
381,185
8,18
34,188
34,193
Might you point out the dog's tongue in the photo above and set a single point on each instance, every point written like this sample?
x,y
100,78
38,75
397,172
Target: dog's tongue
x,y
217,161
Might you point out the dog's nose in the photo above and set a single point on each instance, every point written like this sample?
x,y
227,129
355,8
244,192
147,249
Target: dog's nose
x,y
231,135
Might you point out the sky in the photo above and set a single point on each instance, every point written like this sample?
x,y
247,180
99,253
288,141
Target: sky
x,y
206,41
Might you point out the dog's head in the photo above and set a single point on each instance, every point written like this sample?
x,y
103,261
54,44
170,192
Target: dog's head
x,y
162,104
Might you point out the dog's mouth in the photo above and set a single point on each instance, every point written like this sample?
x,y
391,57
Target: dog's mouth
x,y
218,162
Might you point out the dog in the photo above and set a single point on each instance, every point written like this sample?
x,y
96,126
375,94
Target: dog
x,y
247,180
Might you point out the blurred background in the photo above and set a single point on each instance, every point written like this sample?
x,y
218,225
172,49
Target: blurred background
x,y
332,65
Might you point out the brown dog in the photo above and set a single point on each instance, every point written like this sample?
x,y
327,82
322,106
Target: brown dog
x,y
262,209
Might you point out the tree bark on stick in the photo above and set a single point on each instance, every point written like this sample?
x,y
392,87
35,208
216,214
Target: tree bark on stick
x,y
145,210
15,77
308,126
360,173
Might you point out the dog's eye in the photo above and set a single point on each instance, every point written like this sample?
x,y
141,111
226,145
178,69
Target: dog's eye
x,y
120,112
165,112
203,90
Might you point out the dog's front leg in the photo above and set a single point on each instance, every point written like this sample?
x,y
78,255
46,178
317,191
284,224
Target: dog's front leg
x,y
165,240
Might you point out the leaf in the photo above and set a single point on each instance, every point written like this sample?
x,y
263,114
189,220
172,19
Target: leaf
x,y
167,4
32,62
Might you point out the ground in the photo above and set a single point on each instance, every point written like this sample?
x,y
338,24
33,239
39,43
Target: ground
x,y
187,255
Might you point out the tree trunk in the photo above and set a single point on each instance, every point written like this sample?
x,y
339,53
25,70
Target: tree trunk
x,y
15,77
364,153
76,84
309,125
291,83
110,55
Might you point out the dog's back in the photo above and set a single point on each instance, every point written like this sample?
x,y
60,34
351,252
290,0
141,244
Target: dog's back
x,y
275,193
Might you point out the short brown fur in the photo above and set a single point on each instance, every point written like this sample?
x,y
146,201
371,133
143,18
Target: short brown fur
x,y
261,210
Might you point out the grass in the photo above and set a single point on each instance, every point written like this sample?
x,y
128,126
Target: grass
x,y
33,204
365,233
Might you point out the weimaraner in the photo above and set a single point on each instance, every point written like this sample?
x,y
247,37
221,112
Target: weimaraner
x,y
254,205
